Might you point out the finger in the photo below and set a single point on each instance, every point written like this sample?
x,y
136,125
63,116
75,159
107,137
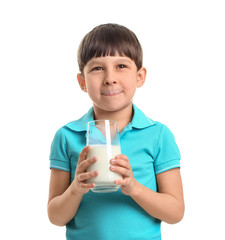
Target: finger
x,y
85,176
121,156
121,170
120,162
87,185
82,167
83,154
122,182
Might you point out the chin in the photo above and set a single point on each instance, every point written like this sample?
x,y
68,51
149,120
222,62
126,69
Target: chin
x,y
115,107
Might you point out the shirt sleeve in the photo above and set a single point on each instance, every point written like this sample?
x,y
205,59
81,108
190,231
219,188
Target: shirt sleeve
x,y
58,154
167,152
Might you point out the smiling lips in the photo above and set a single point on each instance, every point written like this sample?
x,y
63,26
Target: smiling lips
x,y
111,93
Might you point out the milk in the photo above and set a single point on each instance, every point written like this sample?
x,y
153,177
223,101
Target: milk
x,y
105,179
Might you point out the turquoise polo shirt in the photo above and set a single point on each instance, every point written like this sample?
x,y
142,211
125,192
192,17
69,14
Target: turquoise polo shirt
x,y
151,149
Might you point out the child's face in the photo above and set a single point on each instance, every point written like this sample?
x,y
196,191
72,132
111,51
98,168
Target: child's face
x,y
111,81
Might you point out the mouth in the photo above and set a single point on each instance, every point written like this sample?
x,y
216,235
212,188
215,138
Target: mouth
x,y
111,93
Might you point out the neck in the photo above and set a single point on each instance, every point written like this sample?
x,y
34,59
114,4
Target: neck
x,y
122,116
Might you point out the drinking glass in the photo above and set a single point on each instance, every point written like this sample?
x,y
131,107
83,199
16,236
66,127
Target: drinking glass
x,y
103,139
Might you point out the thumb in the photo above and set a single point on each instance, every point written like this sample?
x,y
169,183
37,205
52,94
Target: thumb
x,y
83,154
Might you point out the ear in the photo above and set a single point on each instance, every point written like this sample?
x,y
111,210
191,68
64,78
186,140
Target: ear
x,y
141,75
81,82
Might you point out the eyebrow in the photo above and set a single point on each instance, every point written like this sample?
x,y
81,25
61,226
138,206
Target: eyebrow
x,y
95,61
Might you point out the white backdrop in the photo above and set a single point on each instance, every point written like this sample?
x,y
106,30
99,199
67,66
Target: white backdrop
x,y
184,52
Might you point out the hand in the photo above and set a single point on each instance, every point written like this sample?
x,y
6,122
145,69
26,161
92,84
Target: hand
x,y
79,183
121,165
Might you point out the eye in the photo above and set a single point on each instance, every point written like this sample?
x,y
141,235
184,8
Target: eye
x,y
121,66
96,68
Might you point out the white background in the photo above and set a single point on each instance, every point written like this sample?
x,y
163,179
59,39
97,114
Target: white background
x,y
184,52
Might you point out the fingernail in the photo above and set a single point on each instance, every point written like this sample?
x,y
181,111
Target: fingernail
x,y
112,168
113,161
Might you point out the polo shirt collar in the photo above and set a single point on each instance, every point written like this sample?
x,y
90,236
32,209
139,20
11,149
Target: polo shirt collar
x,y
139,120
80,125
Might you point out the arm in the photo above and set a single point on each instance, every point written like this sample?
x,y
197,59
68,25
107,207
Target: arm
x,y
65,198
62,203
167,204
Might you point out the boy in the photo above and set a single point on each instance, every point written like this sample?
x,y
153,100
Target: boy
x,y
110,62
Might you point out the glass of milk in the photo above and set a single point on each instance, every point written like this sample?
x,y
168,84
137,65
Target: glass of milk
x,y
103,139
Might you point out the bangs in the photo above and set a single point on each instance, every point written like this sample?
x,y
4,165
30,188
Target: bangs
x,y
109,40
111,43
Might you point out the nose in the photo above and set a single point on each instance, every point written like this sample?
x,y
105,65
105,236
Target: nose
x,y
110,78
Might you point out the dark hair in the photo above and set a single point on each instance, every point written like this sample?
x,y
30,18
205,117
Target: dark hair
x,y
108,40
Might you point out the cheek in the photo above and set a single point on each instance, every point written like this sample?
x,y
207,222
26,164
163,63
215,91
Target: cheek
x,y
90,86
130,87
93,93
